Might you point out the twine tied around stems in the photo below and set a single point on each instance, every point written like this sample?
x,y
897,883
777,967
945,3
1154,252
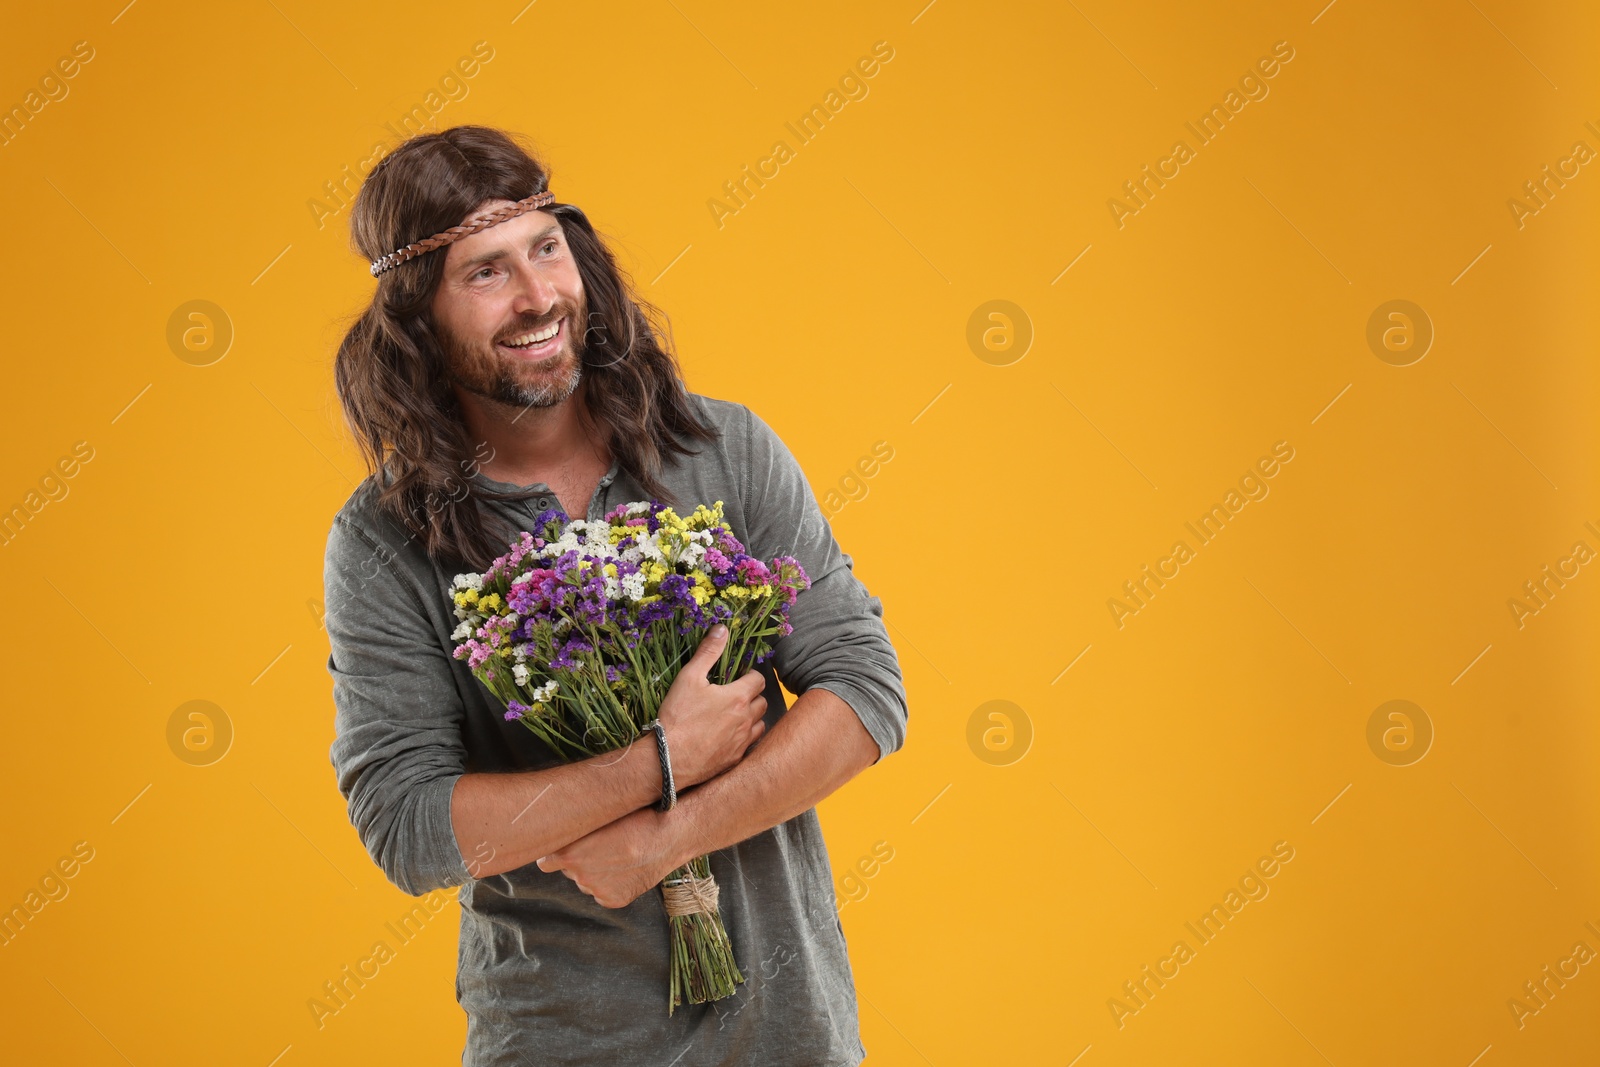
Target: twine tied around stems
x,y
686,896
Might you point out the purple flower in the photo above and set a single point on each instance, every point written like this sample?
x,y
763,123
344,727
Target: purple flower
x,y
532,592
791,577
675,589
723,538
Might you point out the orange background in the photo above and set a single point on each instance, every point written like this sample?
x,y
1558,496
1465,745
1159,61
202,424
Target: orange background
x,y
1039,860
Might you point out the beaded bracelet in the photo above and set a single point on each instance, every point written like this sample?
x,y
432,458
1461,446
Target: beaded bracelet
x,y
669,792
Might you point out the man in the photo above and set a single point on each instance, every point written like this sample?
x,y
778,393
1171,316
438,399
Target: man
x,y
504,367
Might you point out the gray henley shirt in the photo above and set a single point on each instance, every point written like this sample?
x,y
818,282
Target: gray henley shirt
x,y
545,975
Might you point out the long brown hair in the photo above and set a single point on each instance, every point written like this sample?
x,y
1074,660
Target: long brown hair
x,y
389,370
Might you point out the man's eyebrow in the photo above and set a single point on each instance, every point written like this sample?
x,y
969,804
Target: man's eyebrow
x,y
554,229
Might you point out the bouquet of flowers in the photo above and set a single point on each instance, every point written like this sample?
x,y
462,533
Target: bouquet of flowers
x,y
580,629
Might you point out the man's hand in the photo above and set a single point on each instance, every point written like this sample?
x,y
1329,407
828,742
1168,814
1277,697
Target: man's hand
x,y
709,726
818,745
619,861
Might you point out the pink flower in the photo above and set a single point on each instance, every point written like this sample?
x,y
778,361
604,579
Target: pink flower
x,y
753,572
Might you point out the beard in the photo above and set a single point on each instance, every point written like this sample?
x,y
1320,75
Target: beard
x,y
486,370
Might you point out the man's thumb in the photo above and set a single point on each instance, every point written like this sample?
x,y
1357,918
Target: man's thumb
x,y
711,645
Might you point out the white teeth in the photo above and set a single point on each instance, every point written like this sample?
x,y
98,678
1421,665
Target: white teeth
x,y
535,338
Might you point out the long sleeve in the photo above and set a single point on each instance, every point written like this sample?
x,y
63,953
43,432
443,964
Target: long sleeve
x,y
398,747
839,641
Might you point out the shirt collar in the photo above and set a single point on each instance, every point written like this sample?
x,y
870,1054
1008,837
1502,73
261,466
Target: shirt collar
x,y
479,476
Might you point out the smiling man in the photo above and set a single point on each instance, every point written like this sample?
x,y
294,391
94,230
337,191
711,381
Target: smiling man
x,y
505,366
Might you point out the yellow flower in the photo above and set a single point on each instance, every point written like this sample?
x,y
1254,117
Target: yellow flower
x,y
703,512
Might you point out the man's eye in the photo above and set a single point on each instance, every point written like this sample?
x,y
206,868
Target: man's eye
x,y
482,271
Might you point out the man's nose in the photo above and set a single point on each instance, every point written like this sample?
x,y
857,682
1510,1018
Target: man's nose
x,y
535,292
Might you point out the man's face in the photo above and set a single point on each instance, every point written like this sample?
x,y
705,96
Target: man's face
x,y
511,312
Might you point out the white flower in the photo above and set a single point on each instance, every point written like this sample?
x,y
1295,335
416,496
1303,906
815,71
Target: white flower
x,y
520,673
463,582
633,587
583,535
463,631
546,691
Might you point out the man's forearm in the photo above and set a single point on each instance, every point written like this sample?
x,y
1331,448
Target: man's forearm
x,y
817,746
505,821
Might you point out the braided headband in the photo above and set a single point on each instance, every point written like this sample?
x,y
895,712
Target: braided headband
x,y
455,233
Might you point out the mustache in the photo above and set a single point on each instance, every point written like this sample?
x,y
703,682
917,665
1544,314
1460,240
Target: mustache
x,y
535,324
